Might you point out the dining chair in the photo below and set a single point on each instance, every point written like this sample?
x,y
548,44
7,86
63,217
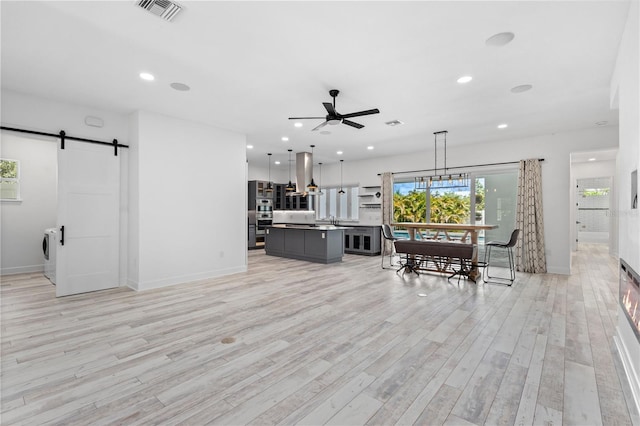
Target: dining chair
x,y
387,234
508,245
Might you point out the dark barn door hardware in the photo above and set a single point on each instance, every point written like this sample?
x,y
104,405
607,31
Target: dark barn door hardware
x,y
63,137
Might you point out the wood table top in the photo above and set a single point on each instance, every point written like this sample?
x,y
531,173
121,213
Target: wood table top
x,y
446,226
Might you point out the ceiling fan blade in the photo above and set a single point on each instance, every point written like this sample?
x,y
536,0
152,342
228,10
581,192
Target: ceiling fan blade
x,y
306,118
360,113
319,126
352,124
330,109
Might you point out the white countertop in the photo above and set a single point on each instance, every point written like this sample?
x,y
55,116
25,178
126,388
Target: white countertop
x,y
309,227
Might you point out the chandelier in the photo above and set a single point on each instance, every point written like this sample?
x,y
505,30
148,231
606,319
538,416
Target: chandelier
x,y
441,177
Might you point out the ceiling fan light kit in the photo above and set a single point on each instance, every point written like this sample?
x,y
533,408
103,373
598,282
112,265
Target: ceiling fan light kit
x,y
334,118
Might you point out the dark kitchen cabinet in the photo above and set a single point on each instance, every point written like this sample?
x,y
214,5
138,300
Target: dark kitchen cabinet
x,y
282,201
296,202
279,195
257,189
362,240
252,236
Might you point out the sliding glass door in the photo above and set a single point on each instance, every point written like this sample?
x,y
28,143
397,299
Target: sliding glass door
x,y
451,201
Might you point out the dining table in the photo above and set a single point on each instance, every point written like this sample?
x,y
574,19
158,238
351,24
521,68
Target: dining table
x,y
469,233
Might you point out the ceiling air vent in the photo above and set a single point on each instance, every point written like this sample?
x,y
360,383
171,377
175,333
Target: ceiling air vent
x,y
165,9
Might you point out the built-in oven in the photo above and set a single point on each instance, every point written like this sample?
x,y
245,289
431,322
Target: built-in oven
x,y
264,205
263,221
264,214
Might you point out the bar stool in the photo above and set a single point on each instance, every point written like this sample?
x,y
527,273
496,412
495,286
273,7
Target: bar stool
x,y
387,234
487,259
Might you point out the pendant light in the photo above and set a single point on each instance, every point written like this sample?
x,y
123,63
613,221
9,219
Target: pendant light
x,y
312,185
290,187
269,185
341,190
320,181
442,174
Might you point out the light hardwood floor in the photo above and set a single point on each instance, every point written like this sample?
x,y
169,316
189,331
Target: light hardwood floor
x,y
333,344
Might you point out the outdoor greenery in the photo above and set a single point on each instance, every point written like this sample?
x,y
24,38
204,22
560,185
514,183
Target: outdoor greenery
x,y
445,208
8,169
9,187
595,192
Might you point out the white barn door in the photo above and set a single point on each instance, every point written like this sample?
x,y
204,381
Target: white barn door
x,y
88,218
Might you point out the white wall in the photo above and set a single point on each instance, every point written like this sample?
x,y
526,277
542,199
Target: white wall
x,y
36,113
24,222
279,174
625,89
554,148
187,202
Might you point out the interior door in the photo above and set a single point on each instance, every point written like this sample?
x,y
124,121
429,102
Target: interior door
x,y
593,215
88,218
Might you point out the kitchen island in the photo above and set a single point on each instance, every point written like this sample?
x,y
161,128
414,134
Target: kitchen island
x,y
313,243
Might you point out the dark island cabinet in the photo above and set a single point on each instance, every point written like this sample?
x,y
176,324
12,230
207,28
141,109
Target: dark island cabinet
x,y
313,245
362,240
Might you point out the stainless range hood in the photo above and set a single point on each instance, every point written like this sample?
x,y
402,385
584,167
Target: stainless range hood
x,y
304,172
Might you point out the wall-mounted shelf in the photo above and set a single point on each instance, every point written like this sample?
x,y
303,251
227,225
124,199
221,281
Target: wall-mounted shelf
x,y
370,196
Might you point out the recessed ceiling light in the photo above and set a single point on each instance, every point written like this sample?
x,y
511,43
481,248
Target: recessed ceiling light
x,y
521,88
369,147
249,146
339,152
147,76
394,123
180,87
502,126
277,162
592,159
500,39
285,139
297,125
601,123
465,79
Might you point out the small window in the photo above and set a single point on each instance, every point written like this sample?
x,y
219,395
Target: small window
x,y
333,205
9,179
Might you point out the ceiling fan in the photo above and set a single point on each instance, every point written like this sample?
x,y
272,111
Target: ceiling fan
x,y
334,117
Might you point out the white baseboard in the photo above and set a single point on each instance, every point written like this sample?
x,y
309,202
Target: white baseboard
x,y
166,282
22,270
133,285
632,375
558,270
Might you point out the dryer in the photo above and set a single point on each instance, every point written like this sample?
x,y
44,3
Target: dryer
x,y
49,245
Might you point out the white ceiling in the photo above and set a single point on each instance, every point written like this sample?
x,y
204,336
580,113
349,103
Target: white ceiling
x,y
251,65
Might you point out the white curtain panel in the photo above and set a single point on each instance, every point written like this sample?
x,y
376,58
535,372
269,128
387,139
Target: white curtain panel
x,y
387,204
530,255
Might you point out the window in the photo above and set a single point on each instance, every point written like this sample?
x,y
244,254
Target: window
x,y
338,206
494,202
444,202
9,179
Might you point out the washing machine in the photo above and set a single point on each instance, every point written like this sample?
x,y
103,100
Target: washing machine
x,y
49,244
